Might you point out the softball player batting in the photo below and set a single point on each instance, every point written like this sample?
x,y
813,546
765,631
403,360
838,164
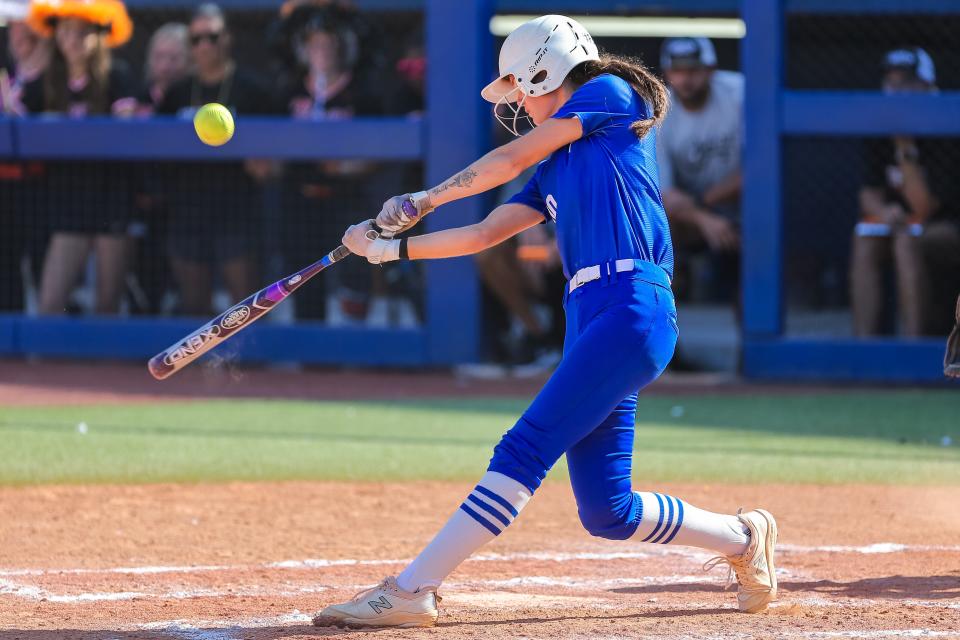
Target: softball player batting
x,y
597,180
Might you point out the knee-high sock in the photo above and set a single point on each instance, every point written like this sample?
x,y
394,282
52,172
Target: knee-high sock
x,y
486,512
669,520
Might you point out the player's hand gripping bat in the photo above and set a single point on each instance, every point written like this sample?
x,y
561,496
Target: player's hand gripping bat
x,y
242,315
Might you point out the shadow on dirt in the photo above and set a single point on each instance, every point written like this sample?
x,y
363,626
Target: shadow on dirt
x,y
888,587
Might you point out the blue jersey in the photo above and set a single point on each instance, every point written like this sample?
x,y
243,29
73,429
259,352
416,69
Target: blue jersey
x,y
603,190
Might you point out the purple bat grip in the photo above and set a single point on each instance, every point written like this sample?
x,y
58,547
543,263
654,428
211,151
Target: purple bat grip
x,y
409,209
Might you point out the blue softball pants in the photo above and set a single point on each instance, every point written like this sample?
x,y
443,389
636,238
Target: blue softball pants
x,y
621,333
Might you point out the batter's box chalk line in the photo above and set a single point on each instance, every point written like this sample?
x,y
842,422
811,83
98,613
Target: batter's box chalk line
x,y
319,563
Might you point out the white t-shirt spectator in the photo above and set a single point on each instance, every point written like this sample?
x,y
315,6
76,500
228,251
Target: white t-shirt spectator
x,y
697,149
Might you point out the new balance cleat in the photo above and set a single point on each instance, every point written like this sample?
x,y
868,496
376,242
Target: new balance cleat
x,y
755,570
385,605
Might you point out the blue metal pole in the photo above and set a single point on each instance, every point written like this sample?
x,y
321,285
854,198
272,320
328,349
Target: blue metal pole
x,y
458,125
762,271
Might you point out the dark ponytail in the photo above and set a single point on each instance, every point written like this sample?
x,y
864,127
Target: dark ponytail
x,y
648,86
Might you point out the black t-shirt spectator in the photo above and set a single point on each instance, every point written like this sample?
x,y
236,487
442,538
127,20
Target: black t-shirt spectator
x,y
121,87
939,158
240,91
211,198
352,99
321,199
322,180
85,196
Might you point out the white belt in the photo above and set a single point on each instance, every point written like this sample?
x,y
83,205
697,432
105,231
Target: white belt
x,y
589,274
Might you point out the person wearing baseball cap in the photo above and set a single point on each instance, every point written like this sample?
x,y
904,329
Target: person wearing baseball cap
x,y
908,216
698,150
909,69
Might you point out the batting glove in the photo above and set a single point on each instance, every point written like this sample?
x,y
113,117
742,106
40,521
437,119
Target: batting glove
x,y
393,219
363,240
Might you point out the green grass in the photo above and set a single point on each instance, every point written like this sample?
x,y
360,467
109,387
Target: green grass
x,y
869,437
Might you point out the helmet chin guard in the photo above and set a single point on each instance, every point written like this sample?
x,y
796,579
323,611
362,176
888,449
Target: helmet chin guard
x,y
536,58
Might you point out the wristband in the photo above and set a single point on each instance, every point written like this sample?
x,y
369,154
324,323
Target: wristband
x,y
403,249
384,250
421,200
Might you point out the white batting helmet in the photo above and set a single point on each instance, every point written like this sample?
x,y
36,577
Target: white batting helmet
x,y
538,55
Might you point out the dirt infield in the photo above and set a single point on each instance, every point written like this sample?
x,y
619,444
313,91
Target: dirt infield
x,y
253,561
224,562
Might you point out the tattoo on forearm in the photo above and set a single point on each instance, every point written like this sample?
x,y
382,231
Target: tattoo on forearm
x,y
463,179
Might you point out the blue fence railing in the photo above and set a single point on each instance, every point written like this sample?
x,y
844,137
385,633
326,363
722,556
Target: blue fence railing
x,y
772,112
163,138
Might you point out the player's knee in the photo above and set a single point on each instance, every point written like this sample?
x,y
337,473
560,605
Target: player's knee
x,y
609,520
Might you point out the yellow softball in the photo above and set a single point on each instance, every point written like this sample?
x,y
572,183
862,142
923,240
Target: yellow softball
x,y
214,124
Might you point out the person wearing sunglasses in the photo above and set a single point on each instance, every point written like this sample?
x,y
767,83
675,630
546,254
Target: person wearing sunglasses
x,y
215,208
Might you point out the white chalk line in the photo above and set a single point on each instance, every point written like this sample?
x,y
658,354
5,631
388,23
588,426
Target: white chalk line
x,y
37,593
877,547
319,563
30,592
570,583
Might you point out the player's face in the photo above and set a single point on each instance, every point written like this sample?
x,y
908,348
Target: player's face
x,y
689,83
76,38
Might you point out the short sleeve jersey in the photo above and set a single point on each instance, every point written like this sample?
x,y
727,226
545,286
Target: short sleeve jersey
x,y
603,189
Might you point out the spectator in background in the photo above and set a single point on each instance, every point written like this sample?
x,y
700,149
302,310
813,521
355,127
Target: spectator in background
x,y
27,57
215,208
909,204
523,274
951,357
168,62
319,198
698,150
89,202
411,71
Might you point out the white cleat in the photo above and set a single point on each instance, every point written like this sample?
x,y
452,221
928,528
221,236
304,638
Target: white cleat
x,y
755,570
385,605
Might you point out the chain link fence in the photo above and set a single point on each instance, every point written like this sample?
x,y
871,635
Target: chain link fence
x,y
872,225
846,51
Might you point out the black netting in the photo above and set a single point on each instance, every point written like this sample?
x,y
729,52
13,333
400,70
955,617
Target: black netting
x,y
871,235
828,51
184,238
188,238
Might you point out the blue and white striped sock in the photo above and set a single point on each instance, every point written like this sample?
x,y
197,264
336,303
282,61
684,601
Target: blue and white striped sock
x,y
669,520
489,509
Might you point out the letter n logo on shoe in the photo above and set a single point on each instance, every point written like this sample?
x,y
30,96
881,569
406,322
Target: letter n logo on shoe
x,y
379,605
